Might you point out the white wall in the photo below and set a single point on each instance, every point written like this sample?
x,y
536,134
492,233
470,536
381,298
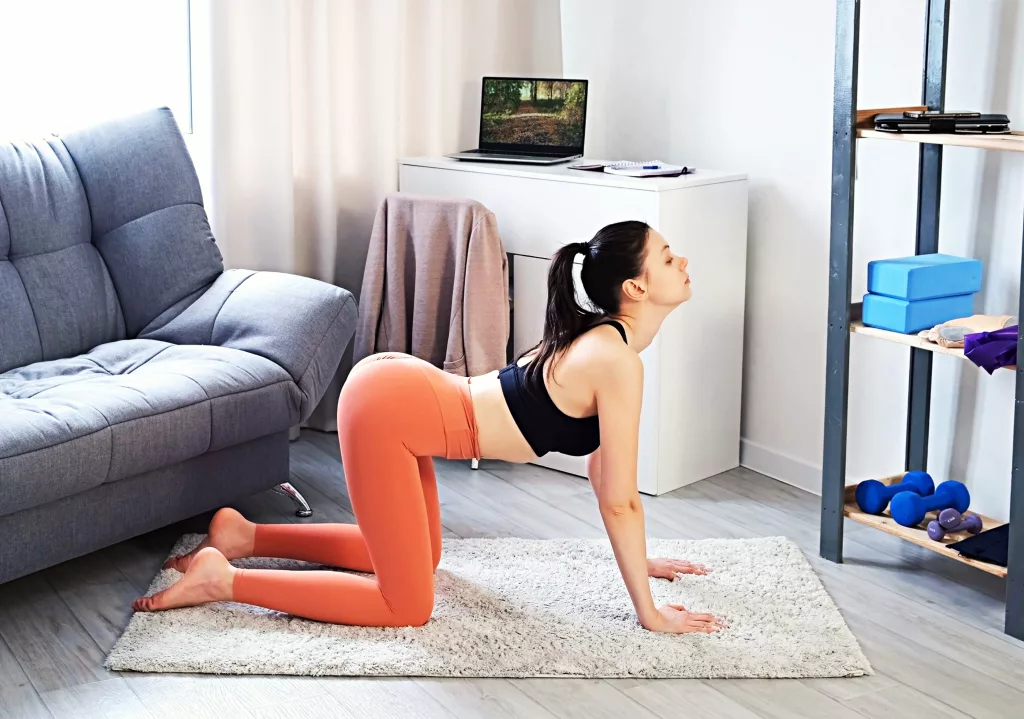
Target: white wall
x,y
746,85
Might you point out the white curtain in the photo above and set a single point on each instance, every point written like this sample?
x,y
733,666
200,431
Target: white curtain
x,y
303,107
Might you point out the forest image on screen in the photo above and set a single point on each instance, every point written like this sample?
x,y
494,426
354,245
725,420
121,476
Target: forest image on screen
x,y
533,112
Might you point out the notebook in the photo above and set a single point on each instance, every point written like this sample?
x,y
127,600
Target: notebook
x,y
646,168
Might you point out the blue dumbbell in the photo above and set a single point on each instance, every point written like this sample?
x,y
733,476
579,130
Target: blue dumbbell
x,y
873,496
909,509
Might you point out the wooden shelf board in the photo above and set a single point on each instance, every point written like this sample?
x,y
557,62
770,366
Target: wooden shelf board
x,y
919,535
912,340
858,327
1014,142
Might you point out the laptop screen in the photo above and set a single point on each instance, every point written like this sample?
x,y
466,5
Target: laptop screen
x,y
531,115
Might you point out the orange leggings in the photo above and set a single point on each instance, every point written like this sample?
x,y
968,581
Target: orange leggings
x,y
395,413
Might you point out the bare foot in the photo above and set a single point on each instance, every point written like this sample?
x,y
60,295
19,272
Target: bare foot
x,y
230,533
208,579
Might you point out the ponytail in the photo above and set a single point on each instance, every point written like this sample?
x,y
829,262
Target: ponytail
x,y
615,254
564,319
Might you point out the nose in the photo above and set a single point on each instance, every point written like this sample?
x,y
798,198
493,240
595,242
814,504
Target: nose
x,y
686,263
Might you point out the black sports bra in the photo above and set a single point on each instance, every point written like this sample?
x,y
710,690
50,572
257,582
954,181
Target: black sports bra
x,y
545,427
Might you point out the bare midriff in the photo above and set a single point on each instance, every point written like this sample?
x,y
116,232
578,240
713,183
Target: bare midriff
x,y
498,435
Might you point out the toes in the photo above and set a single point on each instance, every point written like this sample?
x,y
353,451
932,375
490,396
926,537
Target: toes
x,y
153,603
183,561
179,562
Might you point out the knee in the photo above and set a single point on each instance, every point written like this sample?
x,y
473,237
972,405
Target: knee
x,y
413,612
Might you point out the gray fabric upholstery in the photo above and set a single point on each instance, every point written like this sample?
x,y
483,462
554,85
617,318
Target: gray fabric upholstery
x,y
127,354
57,296
245,310
54,532
130,407
147,212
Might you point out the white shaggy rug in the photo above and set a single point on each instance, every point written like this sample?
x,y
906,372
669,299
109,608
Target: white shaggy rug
x,y
528,608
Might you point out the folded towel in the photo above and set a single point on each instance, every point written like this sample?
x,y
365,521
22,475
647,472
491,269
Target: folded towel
x,y
951,334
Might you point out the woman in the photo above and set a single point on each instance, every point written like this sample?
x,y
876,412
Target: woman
x,y
578,392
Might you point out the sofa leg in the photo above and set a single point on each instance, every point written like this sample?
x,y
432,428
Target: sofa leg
x,y
302,505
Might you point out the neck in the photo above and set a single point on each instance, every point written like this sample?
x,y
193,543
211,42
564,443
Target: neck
x,y
642,326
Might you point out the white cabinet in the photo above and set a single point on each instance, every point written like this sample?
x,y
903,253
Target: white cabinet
x,y
690,422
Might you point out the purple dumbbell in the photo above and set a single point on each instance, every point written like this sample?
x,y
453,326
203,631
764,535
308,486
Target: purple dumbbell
x,y
951,521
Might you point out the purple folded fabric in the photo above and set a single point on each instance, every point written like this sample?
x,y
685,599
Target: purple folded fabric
x,y
992,350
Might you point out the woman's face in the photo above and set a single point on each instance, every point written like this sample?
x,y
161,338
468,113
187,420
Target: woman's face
x,y
668,282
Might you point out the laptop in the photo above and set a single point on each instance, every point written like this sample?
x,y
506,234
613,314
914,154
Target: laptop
x,y
530,120
961,123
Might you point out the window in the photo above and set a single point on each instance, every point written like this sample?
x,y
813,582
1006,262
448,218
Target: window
x,y
69,63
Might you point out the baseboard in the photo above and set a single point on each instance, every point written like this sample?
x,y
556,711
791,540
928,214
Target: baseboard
x,y
780,466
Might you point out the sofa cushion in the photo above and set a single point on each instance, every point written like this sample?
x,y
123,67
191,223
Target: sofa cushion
x,y
146,210
129,407
56,296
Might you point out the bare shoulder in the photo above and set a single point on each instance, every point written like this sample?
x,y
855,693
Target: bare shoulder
x,y
610,357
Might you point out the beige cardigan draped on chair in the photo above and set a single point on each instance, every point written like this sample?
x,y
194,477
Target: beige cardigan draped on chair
x,y
435,285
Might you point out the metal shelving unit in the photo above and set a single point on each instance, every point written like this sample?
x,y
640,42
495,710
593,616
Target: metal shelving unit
x,y
843,317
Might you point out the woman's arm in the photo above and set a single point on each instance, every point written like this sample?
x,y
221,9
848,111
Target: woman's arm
x,y
594,470
618,409
661,568
612,471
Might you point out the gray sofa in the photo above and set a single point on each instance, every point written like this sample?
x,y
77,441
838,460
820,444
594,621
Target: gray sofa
x,y
140,382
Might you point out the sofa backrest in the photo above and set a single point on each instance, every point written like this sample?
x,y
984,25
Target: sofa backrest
x,y
56,296
101,231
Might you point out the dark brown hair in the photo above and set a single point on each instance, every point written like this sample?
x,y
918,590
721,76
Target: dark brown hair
x,y
612,256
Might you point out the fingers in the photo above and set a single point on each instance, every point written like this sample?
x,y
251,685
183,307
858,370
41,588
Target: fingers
x,y
701,623
684,567
679,566
695,622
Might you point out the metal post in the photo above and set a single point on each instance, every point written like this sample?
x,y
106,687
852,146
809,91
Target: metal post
x,y
1015,558
929,188
844,151
510,345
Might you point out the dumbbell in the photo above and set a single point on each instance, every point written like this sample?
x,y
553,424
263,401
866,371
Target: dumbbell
x,y
873,496
908,508
951,521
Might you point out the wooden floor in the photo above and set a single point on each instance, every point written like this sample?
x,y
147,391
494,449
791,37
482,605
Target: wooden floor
x,y
930,626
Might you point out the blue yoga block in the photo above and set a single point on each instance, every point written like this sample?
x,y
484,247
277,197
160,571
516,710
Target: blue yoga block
x,y
923,277
889,313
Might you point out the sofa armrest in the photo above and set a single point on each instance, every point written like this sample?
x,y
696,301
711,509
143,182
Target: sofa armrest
x,y
301,324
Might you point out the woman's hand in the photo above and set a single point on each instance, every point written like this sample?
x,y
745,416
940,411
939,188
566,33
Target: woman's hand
x,y
669,568
674,619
